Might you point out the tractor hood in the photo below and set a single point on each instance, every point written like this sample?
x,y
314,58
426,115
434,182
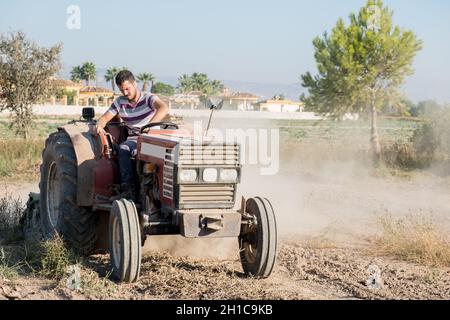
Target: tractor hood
x,y
208,162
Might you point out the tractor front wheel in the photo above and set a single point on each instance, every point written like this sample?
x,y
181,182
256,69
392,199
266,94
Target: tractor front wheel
x,y
258,238
124,241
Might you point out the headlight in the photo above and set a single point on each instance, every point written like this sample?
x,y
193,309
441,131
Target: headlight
x,y
188,175
210,175
229,175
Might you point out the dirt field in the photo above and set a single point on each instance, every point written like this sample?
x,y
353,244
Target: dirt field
x,y
327,213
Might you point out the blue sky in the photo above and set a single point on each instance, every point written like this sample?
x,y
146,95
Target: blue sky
x,y
251,41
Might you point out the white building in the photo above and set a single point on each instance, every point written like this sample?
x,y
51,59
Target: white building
x,y
240,101
280,106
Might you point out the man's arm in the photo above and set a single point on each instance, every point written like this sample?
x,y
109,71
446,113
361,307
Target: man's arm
x,y
101,123
161,110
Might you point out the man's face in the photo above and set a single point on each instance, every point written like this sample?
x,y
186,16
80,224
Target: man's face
x,y
128,89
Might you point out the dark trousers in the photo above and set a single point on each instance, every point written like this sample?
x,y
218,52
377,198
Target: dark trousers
x,y
127,149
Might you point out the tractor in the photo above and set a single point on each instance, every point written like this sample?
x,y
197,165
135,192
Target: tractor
x,y
185,186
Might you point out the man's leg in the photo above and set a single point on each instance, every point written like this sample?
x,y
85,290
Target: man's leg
x,y
126,150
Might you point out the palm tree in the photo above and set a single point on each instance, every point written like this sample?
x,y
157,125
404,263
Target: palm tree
x,y
89,72
200,82
185,83
216,87
76,75
110,75
145,78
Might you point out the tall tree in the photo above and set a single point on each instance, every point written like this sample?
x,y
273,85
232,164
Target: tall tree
x,y
76,75
25,77
216,87
163,88
199,82
146,78
361,66
185,83
110,76
89,72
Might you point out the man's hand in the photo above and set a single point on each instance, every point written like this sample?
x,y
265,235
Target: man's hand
x,y
101,123
97,130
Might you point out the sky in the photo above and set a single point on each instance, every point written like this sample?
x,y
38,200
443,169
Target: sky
x,y
266,42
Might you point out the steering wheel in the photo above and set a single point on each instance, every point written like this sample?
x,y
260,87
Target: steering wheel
x,y
164,125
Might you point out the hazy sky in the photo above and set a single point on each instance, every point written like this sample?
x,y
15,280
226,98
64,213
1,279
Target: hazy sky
x,y
256,41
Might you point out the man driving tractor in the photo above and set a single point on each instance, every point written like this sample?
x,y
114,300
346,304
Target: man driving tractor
x,y
136,109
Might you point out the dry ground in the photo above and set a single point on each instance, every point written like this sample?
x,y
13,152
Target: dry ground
x,y
302,272
328,231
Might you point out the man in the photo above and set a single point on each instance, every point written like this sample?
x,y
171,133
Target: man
x,y
136,109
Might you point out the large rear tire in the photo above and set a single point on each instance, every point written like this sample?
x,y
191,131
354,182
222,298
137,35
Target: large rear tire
x,y
124,241
258,241
59,213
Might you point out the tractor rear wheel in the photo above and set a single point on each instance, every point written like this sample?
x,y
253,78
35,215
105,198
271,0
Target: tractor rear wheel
x,y
59,212
258,239
124,241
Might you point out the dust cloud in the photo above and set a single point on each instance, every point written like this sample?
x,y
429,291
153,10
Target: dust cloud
x,y
329,190
321,189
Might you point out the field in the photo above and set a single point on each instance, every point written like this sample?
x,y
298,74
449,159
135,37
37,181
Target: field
x,y
339,219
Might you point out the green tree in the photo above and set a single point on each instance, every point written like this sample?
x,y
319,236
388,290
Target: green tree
x,y
86,72
361,66
426,108
146,78
61,92
216,87
110,76
26,70
89,72
76,75
163,88
185,83
199,82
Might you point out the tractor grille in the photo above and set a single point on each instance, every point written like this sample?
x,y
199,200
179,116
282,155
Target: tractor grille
x,y
210,195
168,174
206,195
217,155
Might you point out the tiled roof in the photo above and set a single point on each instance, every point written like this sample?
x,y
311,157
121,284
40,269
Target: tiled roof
x,y
65,83
95,90
241,95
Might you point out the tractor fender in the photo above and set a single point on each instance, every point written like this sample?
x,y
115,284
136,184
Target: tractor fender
x,y
88,149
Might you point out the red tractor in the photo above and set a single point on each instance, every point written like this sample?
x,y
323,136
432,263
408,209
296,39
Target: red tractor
x,y
185,186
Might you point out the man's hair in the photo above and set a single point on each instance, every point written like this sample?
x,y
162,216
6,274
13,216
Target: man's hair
x,y
123,76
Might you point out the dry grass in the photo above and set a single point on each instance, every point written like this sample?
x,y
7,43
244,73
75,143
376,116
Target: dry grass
x,y
9,269
94,286
325,239
20,157
54,259
11,210
413,238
